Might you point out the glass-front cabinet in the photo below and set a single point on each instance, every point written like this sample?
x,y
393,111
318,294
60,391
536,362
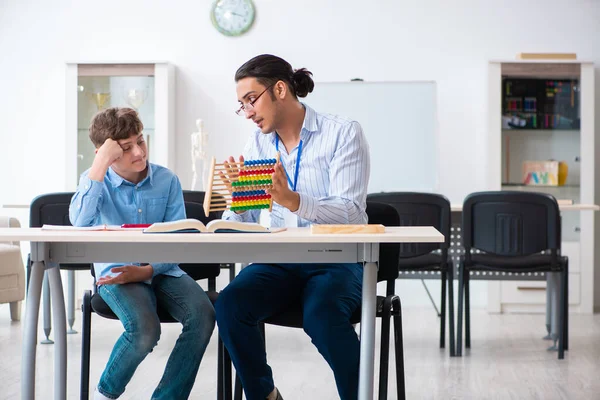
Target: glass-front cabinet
x,y
92,87
541,139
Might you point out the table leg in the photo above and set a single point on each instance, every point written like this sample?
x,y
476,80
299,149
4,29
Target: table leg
x,y
367,332
60,334
30,331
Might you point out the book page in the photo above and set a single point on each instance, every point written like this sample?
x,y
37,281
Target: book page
x,y
47,227
182,225
220,225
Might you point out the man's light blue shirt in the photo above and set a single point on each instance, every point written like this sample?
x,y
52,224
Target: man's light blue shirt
x,y
333,176
116,201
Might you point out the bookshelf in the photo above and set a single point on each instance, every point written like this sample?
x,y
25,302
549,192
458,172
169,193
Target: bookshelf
x,y
542,110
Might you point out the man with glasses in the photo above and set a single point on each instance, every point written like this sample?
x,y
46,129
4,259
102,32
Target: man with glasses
x,y
322,178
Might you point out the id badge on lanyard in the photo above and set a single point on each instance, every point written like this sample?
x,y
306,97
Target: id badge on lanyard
x,y
291,219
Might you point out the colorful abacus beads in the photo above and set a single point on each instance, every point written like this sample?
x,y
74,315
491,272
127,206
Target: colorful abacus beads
x,y
252,163
249,190
252,183
249,200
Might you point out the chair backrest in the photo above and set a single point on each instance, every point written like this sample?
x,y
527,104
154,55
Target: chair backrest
x,y
419,209
380,213
194,209
51,209
511,223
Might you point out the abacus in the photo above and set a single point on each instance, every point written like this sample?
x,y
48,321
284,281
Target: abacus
x,y
246,189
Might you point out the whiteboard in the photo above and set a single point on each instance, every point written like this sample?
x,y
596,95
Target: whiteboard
x,y
399,122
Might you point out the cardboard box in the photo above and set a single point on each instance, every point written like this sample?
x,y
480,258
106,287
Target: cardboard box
x,y
545,173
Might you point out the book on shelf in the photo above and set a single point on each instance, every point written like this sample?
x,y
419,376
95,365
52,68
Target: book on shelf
x,y
565,202
192,225
547,56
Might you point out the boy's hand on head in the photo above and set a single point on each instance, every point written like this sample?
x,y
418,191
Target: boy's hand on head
x,y
127,274
109,152
106,154
281,192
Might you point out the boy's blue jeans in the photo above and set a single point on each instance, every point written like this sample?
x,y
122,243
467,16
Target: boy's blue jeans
x,y
135,305
329,295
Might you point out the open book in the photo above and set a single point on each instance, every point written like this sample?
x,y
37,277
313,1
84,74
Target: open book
x,y
215,226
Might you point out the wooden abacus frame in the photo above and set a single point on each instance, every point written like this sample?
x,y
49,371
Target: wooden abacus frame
x,y
223,177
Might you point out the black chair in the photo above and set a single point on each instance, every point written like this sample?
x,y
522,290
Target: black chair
x,y
53,209
387,307
425,209
510,231
92,302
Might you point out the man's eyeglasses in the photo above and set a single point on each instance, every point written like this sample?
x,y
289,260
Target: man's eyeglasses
x,y
245,108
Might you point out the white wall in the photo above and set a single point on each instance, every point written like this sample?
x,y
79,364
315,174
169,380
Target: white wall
x,y
448,42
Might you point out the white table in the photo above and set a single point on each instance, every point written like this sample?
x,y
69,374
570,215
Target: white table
x,y
296,245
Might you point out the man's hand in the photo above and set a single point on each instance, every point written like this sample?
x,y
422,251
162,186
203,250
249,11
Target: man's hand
x,y
281,192
232,171
231,174
128,274
106,154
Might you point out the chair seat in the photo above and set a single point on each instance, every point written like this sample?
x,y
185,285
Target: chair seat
x,y
427,261
293,316
535,262
100,307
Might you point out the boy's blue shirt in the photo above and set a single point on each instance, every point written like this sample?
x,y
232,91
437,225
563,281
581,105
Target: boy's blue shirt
x,y
116,201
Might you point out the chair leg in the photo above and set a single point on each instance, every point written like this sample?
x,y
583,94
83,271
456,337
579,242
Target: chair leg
x,y
562,316
451,325
459,318
28,272
71,301
399,348
231,272
86,333
443,313
566,305
46,310
15,311
548,308
467,311
239,390
220,369
385,347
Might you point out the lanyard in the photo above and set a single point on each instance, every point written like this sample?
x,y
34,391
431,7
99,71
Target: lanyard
x,y
293,185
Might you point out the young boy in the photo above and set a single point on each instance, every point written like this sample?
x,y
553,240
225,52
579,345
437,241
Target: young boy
x,y
123,187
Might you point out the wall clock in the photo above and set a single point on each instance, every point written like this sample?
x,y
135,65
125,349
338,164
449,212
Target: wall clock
x,y
232,17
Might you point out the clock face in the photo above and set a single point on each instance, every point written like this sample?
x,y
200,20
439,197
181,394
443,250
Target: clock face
x,y
232,17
